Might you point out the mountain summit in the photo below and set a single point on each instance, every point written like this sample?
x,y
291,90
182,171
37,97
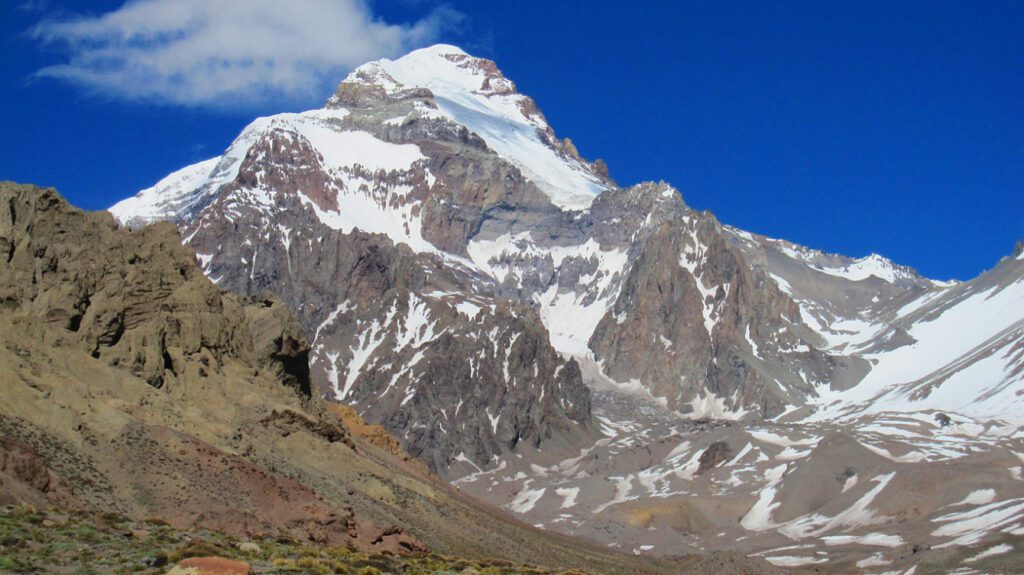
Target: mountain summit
x,y
468,91
474,93
504,308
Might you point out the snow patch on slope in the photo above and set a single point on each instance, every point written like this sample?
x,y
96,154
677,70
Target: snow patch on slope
x,y
866,267
342,149
184,190
941,372
570,315
174,194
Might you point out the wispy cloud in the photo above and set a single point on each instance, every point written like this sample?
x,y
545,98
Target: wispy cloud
x,y
227,53
32,5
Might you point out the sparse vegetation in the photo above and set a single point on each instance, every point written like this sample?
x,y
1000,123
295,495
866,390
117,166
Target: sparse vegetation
x,y
32,541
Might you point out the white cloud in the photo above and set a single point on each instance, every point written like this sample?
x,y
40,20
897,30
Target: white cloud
x,y
228,53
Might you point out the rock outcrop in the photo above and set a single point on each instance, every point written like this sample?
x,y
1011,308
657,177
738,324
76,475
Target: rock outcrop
x,y
132,305
141,303
705,331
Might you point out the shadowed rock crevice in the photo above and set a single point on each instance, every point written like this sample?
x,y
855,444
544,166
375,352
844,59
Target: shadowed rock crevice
x,y
716,454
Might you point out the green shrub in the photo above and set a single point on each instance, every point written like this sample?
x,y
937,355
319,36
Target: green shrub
x,y
194,549
286,564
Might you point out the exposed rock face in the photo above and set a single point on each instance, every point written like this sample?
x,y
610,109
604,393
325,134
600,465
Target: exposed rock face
x,y
375,434
704,331
141,303
396,334
460,397
716,454
25,476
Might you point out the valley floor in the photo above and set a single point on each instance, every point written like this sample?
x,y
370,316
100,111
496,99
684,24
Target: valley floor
x,y
890,494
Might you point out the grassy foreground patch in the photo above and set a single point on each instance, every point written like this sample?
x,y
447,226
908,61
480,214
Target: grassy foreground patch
x,y
36,542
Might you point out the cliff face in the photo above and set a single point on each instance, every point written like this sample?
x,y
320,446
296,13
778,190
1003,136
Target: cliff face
x,y
705,331
136,300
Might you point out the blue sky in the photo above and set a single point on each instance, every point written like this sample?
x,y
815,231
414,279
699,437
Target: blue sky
x,y
854,127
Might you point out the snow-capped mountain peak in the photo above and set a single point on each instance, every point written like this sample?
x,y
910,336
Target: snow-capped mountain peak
x,y
474,93
468,91
442,67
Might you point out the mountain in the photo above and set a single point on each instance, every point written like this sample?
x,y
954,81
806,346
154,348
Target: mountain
x,y
135,390
929,345
577,351
429,152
